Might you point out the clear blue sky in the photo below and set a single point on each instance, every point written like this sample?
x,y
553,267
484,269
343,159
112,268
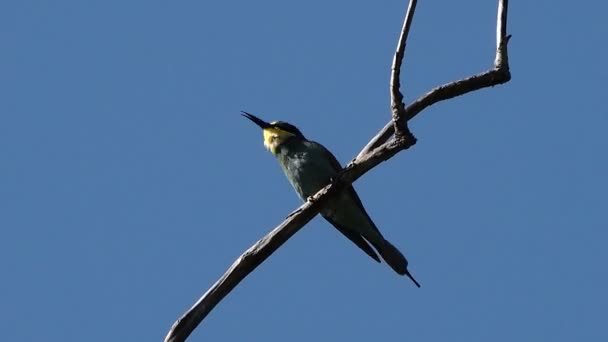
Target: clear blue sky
x,y
129,182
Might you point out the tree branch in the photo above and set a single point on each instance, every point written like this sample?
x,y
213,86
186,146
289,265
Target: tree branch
x,y
262,249
397,105
379,149
499,74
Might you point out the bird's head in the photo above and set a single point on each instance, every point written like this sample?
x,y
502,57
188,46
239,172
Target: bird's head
x,y
276,132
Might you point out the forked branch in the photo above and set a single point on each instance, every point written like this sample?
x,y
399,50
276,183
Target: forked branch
x,y
499,74
379,149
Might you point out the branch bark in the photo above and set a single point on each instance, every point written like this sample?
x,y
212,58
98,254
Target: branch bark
x,y
379,149
397,105
499,74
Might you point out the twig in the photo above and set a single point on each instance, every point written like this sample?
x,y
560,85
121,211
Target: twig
x,y
397,105
499,74
378,150
502,38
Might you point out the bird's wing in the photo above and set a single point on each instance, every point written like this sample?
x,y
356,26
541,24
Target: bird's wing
x,y
356,238
351,190
390,253
353,236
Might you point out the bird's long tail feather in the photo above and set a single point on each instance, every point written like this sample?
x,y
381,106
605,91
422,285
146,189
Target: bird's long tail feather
x,y
394,259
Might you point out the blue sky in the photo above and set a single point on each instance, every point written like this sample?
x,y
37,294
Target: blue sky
x,y
129,183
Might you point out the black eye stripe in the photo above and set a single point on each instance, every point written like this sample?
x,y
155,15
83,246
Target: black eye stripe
x,y
288,128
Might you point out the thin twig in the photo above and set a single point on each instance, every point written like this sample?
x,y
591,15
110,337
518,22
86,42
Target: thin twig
x,y
502,39
397,105
499,74
372,155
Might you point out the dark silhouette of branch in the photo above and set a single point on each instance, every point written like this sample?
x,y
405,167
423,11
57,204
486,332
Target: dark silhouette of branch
x,y
379,149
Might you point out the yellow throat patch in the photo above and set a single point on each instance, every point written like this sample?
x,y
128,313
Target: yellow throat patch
x,y
273,137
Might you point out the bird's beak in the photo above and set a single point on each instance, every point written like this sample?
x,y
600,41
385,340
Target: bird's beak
x,y
263,124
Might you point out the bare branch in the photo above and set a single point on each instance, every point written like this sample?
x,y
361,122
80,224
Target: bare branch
x,y
379,149
397,105
499,74
244,265
502,38
262,249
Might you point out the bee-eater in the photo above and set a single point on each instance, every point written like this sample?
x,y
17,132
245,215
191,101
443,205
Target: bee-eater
x,y
309,167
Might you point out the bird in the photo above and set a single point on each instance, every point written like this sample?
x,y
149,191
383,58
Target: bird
x,y
309,167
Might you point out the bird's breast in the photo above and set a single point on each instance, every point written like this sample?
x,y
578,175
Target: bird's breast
x,y
307,172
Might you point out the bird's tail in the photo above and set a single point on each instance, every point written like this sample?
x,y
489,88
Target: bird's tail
x,y
394,259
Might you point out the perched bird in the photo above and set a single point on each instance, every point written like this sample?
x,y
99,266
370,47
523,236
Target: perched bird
x,y
309,167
